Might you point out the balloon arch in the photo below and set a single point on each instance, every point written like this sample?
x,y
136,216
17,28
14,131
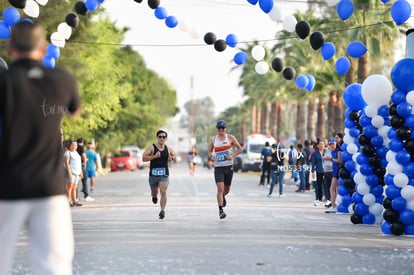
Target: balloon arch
x,y
376,182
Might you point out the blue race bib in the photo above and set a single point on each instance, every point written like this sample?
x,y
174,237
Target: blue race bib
x,y
158,171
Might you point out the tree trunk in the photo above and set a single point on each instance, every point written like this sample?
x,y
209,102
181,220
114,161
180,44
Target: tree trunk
x,y
363,68
339,113
273,124
279,120
349,76
320,128
331,112
311,125
253,119
258,118
301,122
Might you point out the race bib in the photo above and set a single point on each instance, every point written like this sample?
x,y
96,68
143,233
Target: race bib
x,y
221,156
158,171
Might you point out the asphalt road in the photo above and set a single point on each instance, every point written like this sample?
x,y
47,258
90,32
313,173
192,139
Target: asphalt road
x,y
120,232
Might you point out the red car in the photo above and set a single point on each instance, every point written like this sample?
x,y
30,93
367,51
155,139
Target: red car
x,y
123,160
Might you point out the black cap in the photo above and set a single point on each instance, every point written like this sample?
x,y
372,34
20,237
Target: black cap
x,y
221,123
79,140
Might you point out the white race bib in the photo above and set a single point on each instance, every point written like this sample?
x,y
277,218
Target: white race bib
x,y
221,156
158,171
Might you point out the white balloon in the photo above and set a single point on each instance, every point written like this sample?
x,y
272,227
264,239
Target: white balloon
x,y
258,53
261,67
42,2
276,14
407,192
359,178
65,30
390,156
348,139
377,121
332,3
401,180
375,209
352,148
410,97
394,167
383,130
368,199
196,32
363,188
184,25
376,89
350,209
57,39
338,199
371,110
289,23
31,9
355,156
379,219
410,205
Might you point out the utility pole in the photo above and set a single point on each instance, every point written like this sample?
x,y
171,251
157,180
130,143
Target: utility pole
x,y
192,113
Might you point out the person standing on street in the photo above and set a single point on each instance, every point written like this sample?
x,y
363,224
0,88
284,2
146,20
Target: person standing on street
x,y
91,167
266,155
221,153
33,100
159,155
81,152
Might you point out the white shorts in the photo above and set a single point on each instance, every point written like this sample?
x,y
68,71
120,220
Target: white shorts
x,y
48,222
74,179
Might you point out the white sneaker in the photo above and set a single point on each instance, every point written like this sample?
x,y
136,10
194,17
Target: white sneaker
x,y
88,198
331,210
281,196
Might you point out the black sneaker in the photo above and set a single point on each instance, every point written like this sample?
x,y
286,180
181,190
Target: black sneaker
x,y
154,200
224,201
222,215
78,204
162,214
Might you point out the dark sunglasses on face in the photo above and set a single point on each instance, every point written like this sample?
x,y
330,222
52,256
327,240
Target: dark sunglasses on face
x,y
162,137
221,127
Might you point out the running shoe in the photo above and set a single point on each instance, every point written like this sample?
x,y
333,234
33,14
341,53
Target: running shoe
x,y
222,215
331,210
154,200
162,214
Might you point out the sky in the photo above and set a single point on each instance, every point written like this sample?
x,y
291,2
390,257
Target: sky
x,y
178,57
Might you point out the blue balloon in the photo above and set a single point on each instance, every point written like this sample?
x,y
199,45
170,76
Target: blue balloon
x,y
362,159
361,209
393,191
345,9
27,20
5,30
53,51
368,219
365,169
231,40
342,190
328,50
377,141
311,82
398,96
346,156
354,132
353,97
301,81
409,121
392,133
396,144
161,12
347,199
400,11
240,58
404,109
409,169
171,21
350,124
253,2
389,179
370,131
356,49
350,165
383,111
385,1
342,65
11,16
407,216
365,121
266,5
399,204
357,198
402,74
48,62
101,1
403,157
409,229
91,5
372,180
386,228
342,208
377,190
382,151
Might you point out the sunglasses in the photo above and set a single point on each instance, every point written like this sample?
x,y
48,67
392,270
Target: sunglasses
x,y
221,127
162,137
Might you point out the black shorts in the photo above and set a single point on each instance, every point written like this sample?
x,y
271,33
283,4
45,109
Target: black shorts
x,y
223,174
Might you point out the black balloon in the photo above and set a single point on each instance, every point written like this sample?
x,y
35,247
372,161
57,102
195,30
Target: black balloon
x,y
380,172
153,4
138,1
210,38
349,183
72,20
277,64
393,109
3,65
387,203
409,146
20,4
390,215
404,133
80,8
356,219
289,73
397,121
302,29
397,228
343,173
374,161
364,140
368,150
220,45
354,115
316,40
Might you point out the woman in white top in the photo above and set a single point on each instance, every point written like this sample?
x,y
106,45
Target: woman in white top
x,y
73,164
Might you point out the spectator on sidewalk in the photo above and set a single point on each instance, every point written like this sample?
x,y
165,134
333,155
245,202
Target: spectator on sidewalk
x,y
266,156
91,167
73,164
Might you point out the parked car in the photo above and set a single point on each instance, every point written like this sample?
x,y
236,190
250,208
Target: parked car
x,y
137,155
123,160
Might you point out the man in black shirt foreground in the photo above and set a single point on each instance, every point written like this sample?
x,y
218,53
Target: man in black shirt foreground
x,y
33,100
